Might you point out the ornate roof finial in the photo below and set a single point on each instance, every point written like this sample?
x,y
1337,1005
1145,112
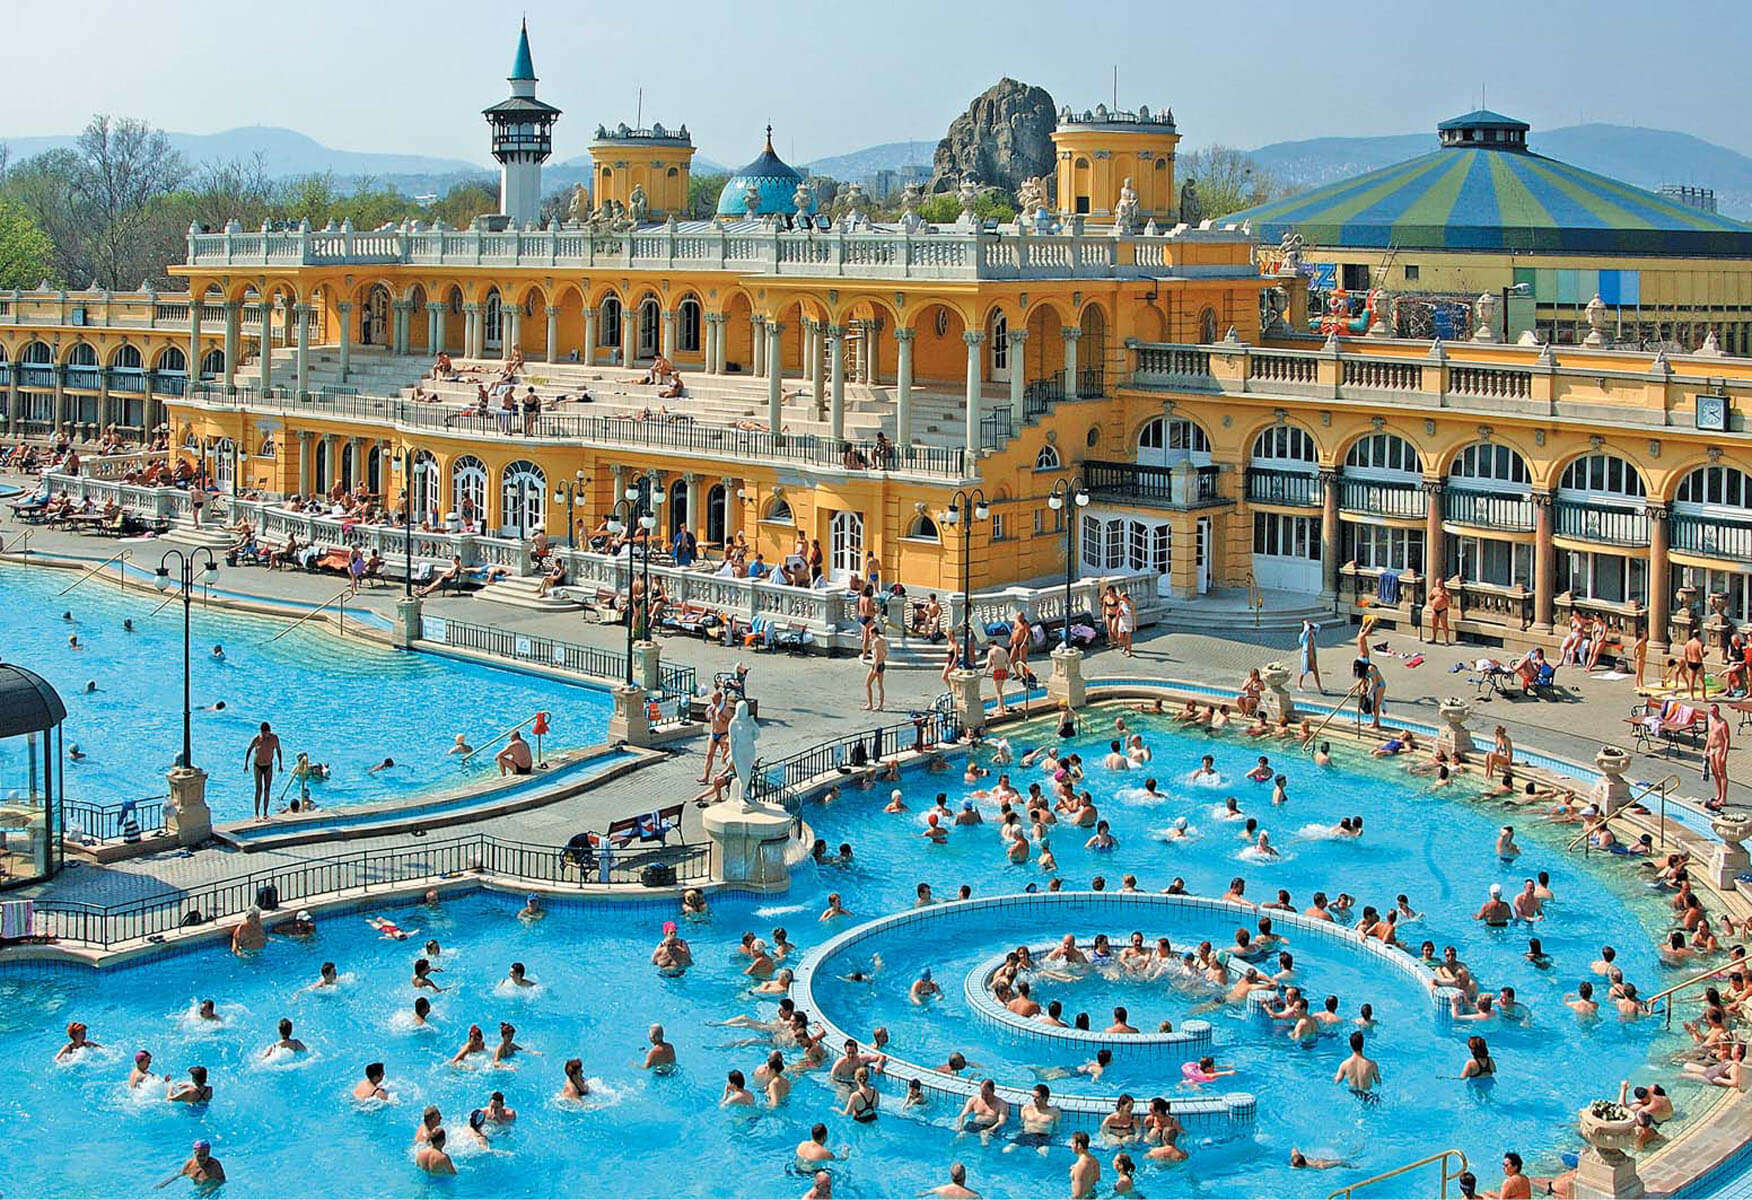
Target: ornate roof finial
x,y
769,146
523,68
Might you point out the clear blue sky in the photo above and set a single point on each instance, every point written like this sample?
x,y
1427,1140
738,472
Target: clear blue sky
x,y
390,76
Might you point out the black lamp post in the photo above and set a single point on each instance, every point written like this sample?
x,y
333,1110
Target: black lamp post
x,y
1067,496
654,498
618,527
957,515
567,493
186,565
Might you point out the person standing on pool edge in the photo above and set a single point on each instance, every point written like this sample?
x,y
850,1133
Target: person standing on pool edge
x,y
264,750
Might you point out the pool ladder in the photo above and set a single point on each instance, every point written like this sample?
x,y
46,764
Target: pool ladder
x,y
1665,786
1313,742
121,575
340,626
1453,1165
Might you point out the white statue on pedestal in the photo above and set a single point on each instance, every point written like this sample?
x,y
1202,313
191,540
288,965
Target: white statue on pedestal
x,y
1125,209
744,733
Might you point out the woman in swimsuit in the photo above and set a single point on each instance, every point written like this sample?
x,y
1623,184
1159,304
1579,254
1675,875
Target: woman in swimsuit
x,y
861,1101
1481,1065
1121,1125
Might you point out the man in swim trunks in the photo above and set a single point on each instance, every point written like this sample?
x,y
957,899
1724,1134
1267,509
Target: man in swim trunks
x,y
515,758
1085,1169
985,1111
264,750
1039,1119
661,1056
202,1167
1360,1072
1494,912
875,693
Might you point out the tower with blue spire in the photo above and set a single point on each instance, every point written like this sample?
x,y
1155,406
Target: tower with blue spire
x,y
522,138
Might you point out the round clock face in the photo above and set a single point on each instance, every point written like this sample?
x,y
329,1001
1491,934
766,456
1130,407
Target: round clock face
x,y
1712,412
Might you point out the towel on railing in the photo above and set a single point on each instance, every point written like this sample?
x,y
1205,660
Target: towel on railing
x,y
1387,588
17,920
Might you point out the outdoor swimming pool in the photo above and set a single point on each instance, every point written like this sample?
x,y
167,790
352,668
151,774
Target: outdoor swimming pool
x,y
349,703
293,1128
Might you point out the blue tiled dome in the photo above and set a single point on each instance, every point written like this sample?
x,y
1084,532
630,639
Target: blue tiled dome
x,y
768,175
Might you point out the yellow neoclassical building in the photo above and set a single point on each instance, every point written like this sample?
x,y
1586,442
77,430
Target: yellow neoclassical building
x,y
855,383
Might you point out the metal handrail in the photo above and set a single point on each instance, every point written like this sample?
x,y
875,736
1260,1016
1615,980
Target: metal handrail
x,y
341,628
100,566
1314,738
1443,1157
1714,972
1663,787
496,737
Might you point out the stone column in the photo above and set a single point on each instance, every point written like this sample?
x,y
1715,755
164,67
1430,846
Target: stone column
x,y
836,409
1071,334
1611,792
104,417
304,463
1065,685
303,371
587,354
402,333
964,693
1660,586
759,364
194,341
772,331
471,321
669,334
1016,338
695,514
1435,553
434,328
267,346
903,381
1544,563
511,332
873,351
817,365
346,311
629,332
233,335
553,333
973,338
1331,539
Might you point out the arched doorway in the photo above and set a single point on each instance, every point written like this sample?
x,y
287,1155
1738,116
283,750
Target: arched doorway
x,y
225,466
493,318
846,535
609,335
374,317
650,328
426,492
468,490
523,498
716,514
678,514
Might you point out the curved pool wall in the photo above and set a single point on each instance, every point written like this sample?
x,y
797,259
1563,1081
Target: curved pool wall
x,y
1191,1037
1217,1115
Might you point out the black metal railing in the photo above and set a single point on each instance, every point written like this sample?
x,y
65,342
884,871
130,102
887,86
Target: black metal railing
x,y
169,385
1269,485
675,679
132,382
1382,499
1091,383
359,872
1604,523
124,821
1713,536
88,379
996,428
1130,482
1487,510
37,377
1039,395
778,782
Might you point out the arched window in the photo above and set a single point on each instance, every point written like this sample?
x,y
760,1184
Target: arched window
x,y
1164,441
1382,455
1284,448
37,353
689,332
468,490
172,361
1047,459
523,492
127,358
717,499
1602,478
213,364
923,529
1000,342
82,355
1486,466
1725,489
610,333
493,314
779,512
428,496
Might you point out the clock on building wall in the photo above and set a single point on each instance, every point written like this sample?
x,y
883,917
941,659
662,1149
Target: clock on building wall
x,y
1712,411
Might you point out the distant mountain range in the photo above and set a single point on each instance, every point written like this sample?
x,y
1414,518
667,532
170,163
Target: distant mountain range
x,y
1644,157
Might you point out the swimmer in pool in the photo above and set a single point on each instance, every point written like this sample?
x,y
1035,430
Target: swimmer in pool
x,y
326,978
1301,1162
575,1087
661,1056
371,1087
287,1042
142,1069
1505,844
385,765
476,1043
1207,769
507,1049
460,746
208,1010
1359,1072
195,1091
924,988
219,653
518,977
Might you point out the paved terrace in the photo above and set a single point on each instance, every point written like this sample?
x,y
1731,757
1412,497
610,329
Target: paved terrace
x,y
809,700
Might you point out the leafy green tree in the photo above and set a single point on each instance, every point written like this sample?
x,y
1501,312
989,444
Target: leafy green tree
x,y
945,207
25,250
1228,180
125,168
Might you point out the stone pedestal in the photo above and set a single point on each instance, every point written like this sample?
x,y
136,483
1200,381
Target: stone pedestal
x,y
751,844
645,666
1455,740
1729,860
406,630
1603,1170
630,722
1612,792
964,692
187,816
1279,704
1065,685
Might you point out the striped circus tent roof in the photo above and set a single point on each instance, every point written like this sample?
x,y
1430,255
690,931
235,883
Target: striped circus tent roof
x,y
1495,197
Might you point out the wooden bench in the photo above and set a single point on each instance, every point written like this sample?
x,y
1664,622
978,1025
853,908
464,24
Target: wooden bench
x,y
653,826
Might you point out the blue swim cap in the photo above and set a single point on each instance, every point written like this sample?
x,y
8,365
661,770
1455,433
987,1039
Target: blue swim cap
x,y
925,975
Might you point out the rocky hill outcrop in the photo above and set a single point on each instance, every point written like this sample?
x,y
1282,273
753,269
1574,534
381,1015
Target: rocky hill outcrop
x,y
1004,137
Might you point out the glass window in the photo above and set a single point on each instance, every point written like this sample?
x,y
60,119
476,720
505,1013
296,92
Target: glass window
x,y
1283,443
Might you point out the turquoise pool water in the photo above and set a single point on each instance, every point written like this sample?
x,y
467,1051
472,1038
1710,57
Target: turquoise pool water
x,y
292,1128
348,703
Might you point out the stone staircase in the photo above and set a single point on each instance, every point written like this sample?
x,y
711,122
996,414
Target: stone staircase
x,y
370,371
518,591
1228,614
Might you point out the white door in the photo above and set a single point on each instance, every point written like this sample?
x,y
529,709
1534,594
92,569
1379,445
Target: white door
x,y
525,501
999,341
495,323
1204,555
648,329
1286,552
847,538
225,465
425,489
